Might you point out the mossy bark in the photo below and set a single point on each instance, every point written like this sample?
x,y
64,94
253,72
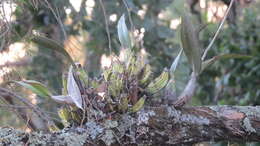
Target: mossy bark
x,y
163,125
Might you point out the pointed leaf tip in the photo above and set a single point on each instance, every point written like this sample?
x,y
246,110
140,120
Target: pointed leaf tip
x,y
36,87
175,62
73,89
52,44
123,33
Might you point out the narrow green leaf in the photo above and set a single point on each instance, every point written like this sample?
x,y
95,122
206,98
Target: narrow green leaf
x,y
36,87
51,44
175,63
65,116
123,34
64,84
138,105
210,61
190,43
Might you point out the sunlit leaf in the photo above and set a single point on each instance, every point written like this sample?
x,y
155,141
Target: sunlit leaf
x,y
210,61
138,106
73,89
123,33
65,116
36,87
190,43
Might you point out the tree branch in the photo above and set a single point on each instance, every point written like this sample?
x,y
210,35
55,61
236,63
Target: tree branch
x,y
154,126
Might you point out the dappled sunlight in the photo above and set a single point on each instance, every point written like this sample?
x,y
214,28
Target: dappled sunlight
x,y
202,4
6,11
105,61
162,15
142,11
175,23
76,4
90,4
215,11
33,98
15,53
113,17
28,130
74,45
139,34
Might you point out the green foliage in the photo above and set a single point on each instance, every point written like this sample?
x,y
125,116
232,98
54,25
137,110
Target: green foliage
x,y
190,43
127,85
53,45
208,62
234,81
118,90
35,87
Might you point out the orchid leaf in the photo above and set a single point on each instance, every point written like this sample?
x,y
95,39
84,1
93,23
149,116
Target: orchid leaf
x,y
190,43
175,63
51,44
73,89
36,87
123,34
210,61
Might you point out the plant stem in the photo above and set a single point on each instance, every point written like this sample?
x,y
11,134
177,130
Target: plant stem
x,y
217,32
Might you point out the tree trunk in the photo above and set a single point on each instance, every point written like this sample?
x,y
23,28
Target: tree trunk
x,y
153,126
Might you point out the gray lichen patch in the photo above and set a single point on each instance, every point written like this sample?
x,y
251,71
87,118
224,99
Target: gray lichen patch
x,y
108,138
93,129
39,139
110,124
144,116
246,124
172,112
61,138
215,108
188,118
250,111
194,119
125,123
12,137
73,138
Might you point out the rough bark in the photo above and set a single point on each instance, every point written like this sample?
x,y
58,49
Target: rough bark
x,y
153,126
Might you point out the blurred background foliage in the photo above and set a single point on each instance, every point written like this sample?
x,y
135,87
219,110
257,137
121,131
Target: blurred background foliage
x,y
80,25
